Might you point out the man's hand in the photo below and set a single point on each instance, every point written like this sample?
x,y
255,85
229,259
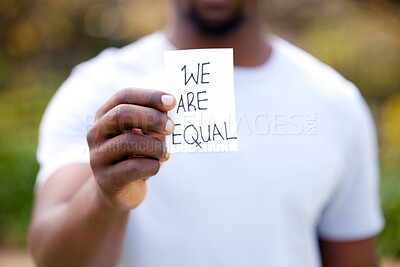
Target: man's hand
x,y
127,144
79,220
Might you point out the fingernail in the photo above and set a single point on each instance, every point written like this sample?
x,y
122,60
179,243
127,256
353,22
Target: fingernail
x,y
169,126
166,156
167,100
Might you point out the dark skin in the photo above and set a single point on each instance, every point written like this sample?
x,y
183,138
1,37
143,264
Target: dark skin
x,y
80,214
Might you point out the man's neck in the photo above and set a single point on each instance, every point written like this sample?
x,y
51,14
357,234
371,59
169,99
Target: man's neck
x,y
249,43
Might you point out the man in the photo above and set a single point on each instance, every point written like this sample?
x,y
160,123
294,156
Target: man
x,y
301,190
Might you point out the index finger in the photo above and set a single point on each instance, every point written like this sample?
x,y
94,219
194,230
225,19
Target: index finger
x,y
143,97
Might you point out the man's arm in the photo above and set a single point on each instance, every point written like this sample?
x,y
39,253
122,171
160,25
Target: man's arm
x,y
81,212
72,225
348,254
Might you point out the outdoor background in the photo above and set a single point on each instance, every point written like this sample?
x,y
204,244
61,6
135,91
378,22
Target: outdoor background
x,y
40,42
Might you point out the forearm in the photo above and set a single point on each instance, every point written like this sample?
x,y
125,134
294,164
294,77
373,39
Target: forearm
x,y
359,253
83,231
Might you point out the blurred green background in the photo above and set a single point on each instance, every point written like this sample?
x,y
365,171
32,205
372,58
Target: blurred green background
x,y
40,42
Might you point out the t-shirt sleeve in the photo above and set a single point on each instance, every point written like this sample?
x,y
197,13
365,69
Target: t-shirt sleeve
x,y
354,211
69,115
62,133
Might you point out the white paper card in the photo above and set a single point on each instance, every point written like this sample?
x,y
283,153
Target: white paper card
x,y
202,82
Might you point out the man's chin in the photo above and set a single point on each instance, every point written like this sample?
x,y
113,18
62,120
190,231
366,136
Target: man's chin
x,y
215,25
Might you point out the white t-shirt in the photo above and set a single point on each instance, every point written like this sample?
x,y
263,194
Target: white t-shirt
x,y
306,166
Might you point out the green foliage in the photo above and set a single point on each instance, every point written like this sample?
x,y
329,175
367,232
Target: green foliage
x,y
17,168
389,239
362,45
21,109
